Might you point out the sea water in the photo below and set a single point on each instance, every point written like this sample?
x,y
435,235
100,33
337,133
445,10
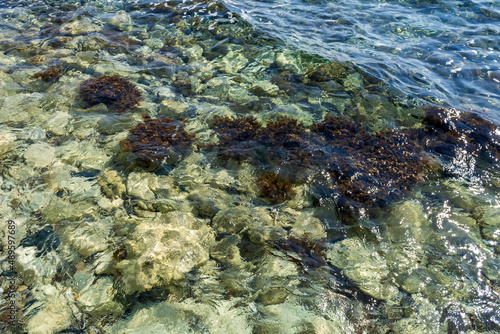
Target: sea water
x,y
95,240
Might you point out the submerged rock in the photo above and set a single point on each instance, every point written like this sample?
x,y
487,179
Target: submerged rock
x,y
35,270
122,20
327,72
6,143
53,316
115,92
79,27
112,183
162,251
366,267
98,299
40,155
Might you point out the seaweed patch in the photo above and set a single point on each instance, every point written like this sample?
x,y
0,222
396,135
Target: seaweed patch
x,y
235,136
157,139
117,93
275,187
52,74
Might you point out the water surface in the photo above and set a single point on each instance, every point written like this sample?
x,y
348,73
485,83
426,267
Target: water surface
x,y
304,224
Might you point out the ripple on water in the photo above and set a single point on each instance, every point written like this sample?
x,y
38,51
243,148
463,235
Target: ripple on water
x,y
255,186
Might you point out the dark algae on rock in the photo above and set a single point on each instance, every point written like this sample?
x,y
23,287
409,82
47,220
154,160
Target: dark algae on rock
x,y
235,136
283,141
447,131
369,168
52,74
288,142
365,168
356,167
159,139
117,93
275,187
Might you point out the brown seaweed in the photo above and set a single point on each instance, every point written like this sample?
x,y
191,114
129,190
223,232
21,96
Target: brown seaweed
x,y
157,140
275,187
450,130
364,168
235,136
52,74
369,167
115,92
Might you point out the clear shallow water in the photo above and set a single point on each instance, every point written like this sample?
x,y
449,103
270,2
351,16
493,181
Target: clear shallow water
x,y
109,244
442,51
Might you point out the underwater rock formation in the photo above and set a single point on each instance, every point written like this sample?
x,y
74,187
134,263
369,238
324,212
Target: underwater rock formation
x,y
117,93
327,72
184,85
288,82
157,139
162,251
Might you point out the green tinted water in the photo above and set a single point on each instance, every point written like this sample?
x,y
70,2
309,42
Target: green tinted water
x,y
107,245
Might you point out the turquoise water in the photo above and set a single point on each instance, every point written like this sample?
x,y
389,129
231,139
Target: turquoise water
x,y
257,167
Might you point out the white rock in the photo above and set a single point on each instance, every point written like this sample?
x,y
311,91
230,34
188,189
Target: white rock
x,y
98,299
88,237
85,154
40,155
59,124
139,185
164,250
20,107
6,143
61,209
55,316
32,269
368,269
233,62
121,20
79,27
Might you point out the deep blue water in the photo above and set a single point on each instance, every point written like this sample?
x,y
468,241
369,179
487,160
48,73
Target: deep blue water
x,y
445,52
